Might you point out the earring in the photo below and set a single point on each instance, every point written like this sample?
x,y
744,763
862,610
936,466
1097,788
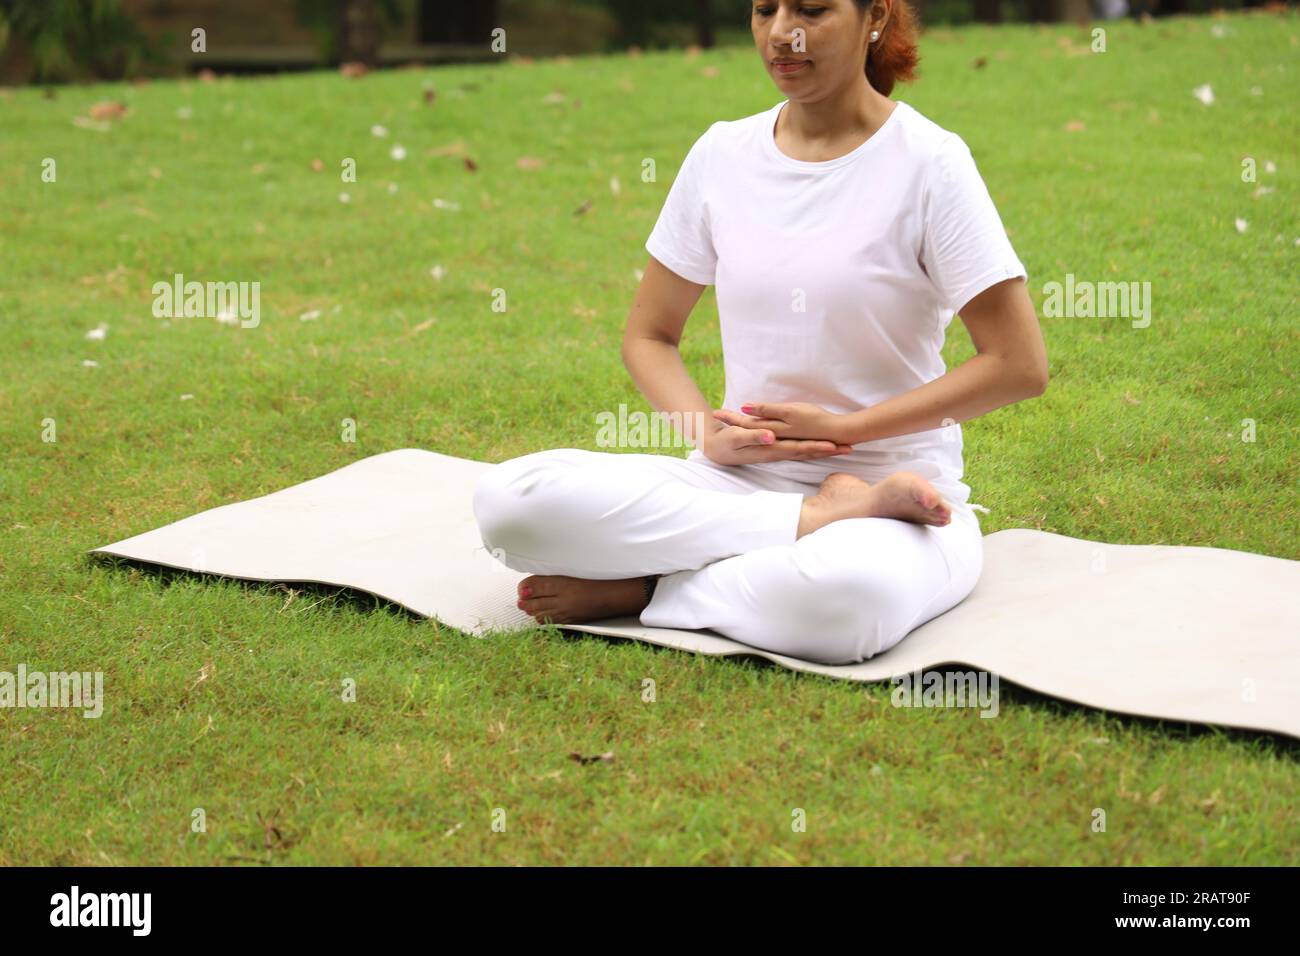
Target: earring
x,y
875,35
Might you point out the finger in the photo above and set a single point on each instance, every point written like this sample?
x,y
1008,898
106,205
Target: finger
x,y
765,409
812,448
728,416
748,437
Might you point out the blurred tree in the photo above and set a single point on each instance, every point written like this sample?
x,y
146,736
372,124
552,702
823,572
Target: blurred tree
x,y
704,22
348,30
440,22
636,19
72,38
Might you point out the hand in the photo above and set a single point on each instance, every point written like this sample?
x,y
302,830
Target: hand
x,y
737,445
790,420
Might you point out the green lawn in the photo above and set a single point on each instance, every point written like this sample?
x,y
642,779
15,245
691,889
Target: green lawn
x,y
227,697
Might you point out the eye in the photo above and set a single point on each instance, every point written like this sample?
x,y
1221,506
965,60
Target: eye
x,y
812,12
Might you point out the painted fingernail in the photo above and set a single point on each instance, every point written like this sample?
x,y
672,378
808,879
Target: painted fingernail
x,y
768,438
746,408
527,591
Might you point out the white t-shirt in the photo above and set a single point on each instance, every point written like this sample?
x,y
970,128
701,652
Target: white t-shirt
x,y
836,280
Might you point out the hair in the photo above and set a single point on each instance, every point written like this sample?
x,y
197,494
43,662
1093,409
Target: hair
x,y
893,57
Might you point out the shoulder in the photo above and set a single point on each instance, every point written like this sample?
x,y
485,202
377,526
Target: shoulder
x,y
732,136
932,148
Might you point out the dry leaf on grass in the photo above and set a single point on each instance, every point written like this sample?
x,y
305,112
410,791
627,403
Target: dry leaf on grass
x,y
606,757
108,110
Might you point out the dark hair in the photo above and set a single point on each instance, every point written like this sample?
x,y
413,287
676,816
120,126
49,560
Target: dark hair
x,y
893,57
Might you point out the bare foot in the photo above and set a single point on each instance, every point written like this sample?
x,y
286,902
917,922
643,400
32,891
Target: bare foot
x,y
903,495
559,599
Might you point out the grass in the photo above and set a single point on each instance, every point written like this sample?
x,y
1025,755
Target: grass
x,y
227,697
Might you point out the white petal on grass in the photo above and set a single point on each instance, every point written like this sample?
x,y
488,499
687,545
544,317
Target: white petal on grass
x,y
398,152
184,112
1218,32
392,187
614,185
309,316
89,363
227,317
98,333
1242,225
1270,166
379,131
445,204
1257,91
344,197
1204,93
438,272
186,397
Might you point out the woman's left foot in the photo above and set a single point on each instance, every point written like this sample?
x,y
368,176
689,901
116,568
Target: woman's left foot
x,y
559,599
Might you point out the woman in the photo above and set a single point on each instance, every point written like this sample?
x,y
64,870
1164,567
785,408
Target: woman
x,y
825,517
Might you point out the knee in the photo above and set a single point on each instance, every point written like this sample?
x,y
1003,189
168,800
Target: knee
x,y
506,505
849,613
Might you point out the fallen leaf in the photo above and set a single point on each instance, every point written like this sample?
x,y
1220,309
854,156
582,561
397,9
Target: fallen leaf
x,y
353,69
458,148
605,757
108,110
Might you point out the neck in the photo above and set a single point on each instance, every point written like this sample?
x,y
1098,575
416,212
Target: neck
x,y
856,109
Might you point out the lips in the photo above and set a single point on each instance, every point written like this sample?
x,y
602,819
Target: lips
x,y
789,66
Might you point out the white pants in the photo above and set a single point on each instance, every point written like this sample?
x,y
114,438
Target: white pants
x,y
723,537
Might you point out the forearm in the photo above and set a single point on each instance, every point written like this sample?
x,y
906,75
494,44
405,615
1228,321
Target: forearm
x,y
977,386
660,374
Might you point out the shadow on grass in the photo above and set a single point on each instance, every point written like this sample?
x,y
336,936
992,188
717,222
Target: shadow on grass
x,y
1014,695
1011,694
338,598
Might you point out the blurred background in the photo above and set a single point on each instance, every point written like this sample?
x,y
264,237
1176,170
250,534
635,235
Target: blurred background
x,y
56,41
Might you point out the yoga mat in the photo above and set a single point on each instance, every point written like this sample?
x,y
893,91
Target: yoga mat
x,y
1206,635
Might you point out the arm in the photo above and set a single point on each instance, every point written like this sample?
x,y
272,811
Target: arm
x,y
651,355
663,302
1010,365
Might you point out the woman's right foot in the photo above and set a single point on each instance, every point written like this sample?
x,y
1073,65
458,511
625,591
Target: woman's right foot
x,y
903,495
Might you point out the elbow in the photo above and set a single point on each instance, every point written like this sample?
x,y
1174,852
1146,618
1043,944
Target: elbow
x,y
1036,384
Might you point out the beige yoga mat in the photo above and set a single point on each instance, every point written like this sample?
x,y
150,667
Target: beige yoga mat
x,y
1206,635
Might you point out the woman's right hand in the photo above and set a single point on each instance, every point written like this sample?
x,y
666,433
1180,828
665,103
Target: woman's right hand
x,y
738,445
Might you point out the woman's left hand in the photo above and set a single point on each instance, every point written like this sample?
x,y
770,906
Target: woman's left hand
x,y
790,420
